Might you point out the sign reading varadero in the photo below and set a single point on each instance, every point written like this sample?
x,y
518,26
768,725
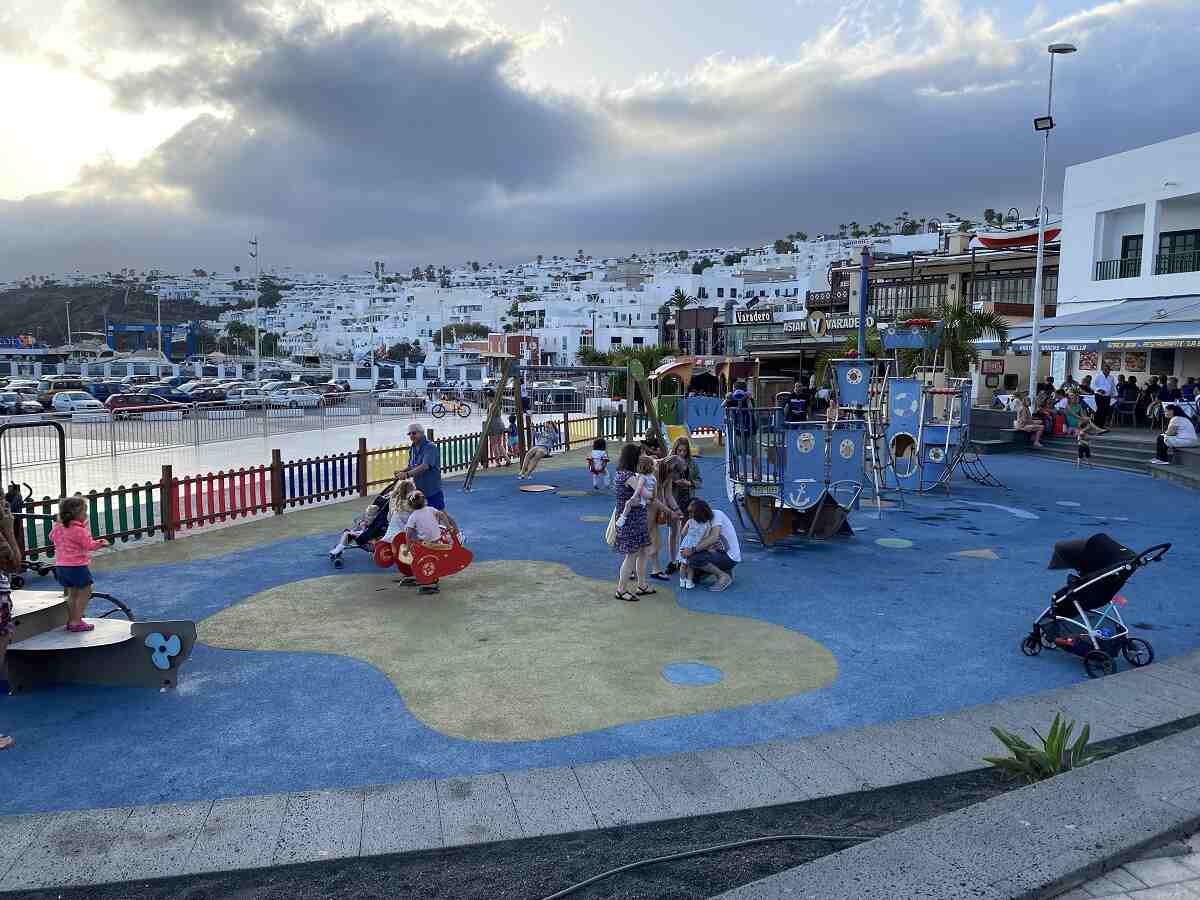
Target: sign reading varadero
x,y
818,324
752,317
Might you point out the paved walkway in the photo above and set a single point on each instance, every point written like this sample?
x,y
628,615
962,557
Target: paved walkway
x,y
103,845
1164,878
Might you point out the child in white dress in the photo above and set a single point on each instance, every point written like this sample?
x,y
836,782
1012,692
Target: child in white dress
x,y
693,533
598,465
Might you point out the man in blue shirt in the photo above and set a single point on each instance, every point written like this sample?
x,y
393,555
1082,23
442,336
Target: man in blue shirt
x,y
425,467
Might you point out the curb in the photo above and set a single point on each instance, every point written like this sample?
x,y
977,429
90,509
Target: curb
x,y
1035,842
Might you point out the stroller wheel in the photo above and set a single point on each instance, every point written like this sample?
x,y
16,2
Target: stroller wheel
x,y
338,562
1138,652
16,582
1047,638
1098,663
1032,645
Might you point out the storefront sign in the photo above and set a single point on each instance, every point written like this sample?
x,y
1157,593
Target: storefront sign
x,y
752,317
818,324
991,366
1169,344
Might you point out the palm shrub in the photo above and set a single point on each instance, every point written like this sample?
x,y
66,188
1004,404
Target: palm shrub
x,y
1056,755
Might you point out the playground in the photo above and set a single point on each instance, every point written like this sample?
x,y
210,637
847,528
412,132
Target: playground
x,y
305,678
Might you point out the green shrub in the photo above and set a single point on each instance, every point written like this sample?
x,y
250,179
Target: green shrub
x,y
1056,755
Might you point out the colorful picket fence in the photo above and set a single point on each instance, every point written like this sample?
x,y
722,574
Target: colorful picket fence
x,y
120,514
218,496
308,481
190,502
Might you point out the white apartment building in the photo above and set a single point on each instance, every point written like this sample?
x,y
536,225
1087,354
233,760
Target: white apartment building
x,y
1129,275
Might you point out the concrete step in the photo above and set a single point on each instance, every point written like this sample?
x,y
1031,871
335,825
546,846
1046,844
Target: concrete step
x,y
1141,467
1131,453
1177,475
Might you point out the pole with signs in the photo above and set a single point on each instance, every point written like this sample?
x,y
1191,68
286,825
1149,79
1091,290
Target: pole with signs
x,y
864,287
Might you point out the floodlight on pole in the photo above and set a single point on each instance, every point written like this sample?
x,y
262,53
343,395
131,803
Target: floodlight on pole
x,y
1035,350
257,288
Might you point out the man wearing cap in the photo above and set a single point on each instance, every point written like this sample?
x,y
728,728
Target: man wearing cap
x,y
425,467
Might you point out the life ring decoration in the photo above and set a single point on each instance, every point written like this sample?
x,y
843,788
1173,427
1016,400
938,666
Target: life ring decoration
x,y
846,448
805,442
854,376
936,454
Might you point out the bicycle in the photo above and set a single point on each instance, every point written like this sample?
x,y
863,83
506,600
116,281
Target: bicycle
x,y
444,405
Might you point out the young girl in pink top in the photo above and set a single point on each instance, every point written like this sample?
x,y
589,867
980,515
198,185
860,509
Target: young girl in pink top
x,y
73,546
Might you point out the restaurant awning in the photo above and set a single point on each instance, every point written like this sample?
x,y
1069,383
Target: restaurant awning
x,y
1157,335
1069,337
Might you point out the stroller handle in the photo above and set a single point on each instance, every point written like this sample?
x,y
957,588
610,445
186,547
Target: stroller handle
x,y
1153,554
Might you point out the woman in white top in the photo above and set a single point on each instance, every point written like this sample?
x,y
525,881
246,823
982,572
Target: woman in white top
x,y
1180,433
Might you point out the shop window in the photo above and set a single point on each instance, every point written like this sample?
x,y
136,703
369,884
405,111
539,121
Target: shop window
x,y
1162,362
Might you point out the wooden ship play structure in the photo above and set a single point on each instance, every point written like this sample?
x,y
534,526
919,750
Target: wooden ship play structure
x,y
881,434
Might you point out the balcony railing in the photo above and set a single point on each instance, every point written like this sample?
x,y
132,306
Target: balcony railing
x,y
1128,267
1174,263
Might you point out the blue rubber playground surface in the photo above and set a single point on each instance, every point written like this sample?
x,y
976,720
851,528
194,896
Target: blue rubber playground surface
x,y
916,628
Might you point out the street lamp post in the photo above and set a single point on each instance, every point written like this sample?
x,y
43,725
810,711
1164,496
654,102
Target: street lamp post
x,y
160,353
1044,125
257,289
69,338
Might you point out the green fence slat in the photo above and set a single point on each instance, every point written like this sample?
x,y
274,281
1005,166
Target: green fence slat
x,y
93,516
108,512
150,523
122,512
137,510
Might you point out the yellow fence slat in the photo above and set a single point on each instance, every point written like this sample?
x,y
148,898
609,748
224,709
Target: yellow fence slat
x,y
383,462
582,430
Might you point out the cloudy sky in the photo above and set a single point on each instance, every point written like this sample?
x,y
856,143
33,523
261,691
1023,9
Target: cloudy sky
x,y
165,132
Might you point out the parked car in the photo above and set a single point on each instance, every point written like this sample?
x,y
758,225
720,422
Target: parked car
x,y
342,385
405,399
102,390
385,384
272,386
246,397
125,406
75,401
15,404
176,380
140,379
21,384
294,398
326,389
206,395
169,394
51,385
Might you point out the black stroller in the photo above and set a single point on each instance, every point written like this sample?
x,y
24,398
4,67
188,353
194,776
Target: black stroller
x,y
1084,616
374,530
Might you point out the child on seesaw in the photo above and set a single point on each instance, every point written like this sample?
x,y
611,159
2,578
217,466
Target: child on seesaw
x,y
73,546
425,524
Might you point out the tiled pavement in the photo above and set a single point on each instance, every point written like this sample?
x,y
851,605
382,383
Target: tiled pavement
x,y
102,845
1164,878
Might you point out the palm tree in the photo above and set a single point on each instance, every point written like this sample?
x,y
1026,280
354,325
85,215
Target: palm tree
x,y
961,328
680,301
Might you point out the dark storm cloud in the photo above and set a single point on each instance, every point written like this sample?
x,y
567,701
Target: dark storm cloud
x,y
416,144
185,23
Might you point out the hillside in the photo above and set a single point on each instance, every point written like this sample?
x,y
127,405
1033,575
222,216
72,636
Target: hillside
x,y
42,311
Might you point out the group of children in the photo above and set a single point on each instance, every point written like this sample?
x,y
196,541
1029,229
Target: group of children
x,y
654,491
409,513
